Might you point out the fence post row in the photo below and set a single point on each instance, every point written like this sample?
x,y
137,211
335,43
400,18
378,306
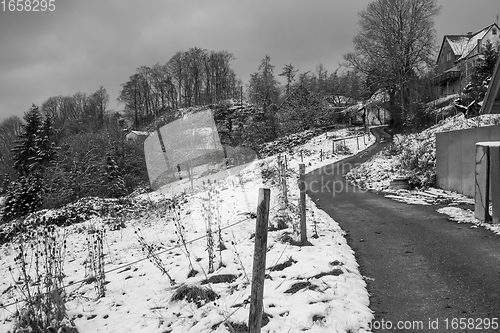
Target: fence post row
x,y
259,261
285,191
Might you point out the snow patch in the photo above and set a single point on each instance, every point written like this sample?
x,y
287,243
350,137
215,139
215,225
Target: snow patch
x,y
467,216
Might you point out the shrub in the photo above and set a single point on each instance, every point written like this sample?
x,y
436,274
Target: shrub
x,y
23,197
94,268
417,158
39,277
194,294
151,251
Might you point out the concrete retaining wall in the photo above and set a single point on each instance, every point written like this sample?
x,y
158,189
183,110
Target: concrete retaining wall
x,y
456,155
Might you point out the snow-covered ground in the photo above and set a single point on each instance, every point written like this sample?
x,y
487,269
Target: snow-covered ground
x,y
377,173
467,216
318,288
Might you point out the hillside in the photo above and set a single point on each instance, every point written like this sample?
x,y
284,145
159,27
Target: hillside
x,y
412,156
152,248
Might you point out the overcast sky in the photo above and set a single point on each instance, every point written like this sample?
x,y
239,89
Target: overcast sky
x,y
85,44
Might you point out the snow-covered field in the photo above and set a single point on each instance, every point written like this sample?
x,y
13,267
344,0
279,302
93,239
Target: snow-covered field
x,y
318,288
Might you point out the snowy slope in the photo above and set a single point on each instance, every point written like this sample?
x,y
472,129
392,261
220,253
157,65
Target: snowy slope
x,y
318,288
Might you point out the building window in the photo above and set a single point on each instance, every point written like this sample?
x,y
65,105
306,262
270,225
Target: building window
x,y
494,31
448,56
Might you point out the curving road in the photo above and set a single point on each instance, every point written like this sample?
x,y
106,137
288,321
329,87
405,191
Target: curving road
x,y
424,273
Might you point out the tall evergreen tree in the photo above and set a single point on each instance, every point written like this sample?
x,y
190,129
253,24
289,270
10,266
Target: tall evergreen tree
x,y
113,180
475,91
32,153
289,74
27,153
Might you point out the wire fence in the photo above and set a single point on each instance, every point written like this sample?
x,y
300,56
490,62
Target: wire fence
x,y
274,210
123,266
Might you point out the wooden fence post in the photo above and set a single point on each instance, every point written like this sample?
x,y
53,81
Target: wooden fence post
x,y
259,261
357,141
321,154
283,184
364,139
301,156
333,147
302,204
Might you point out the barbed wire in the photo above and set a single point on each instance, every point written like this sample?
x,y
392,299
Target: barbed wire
x,y
5,306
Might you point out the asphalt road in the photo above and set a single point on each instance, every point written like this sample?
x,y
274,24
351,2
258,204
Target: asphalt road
x,y
424,273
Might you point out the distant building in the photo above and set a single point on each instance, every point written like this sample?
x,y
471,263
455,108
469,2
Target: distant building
x,y
457,57
136,135
369,112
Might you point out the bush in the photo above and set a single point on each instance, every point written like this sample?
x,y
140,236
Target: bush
x,y
40,272
23,197
417,158
194,294
94,164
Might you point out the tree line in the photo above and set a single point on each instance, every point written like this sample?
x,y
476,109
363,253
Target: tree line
x,y
68,148
73,146
190,78
393,53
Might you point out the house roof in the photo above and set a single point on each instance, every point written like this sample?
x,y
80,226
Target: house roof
x,y
139,133
491,102
458,43
473,41
463,45
353,109
379,96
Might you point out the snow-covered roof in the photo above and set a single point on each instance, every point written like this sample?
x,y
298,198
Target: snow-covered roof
x,y
458,43
473,42
463,45
380,96
353,109
443,100
139,133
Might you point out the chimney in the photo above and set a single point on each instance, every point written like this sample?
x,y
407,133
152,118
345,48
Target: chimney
x,y
469,33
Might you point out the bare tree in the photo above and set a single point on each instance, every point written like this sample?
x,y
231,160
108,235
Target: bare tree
x,y
395,43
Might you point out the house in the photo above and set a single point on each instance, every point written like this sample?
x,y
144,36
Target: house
x,y
457,57
491,103
136,135
369,112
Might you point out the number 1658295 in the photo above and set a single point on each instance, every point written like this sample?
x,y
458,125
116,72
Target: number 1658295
x,y
28,5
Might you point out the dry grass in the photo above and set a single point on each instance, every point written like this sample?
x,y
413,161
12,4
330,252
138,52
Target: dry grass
x,y
194,294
